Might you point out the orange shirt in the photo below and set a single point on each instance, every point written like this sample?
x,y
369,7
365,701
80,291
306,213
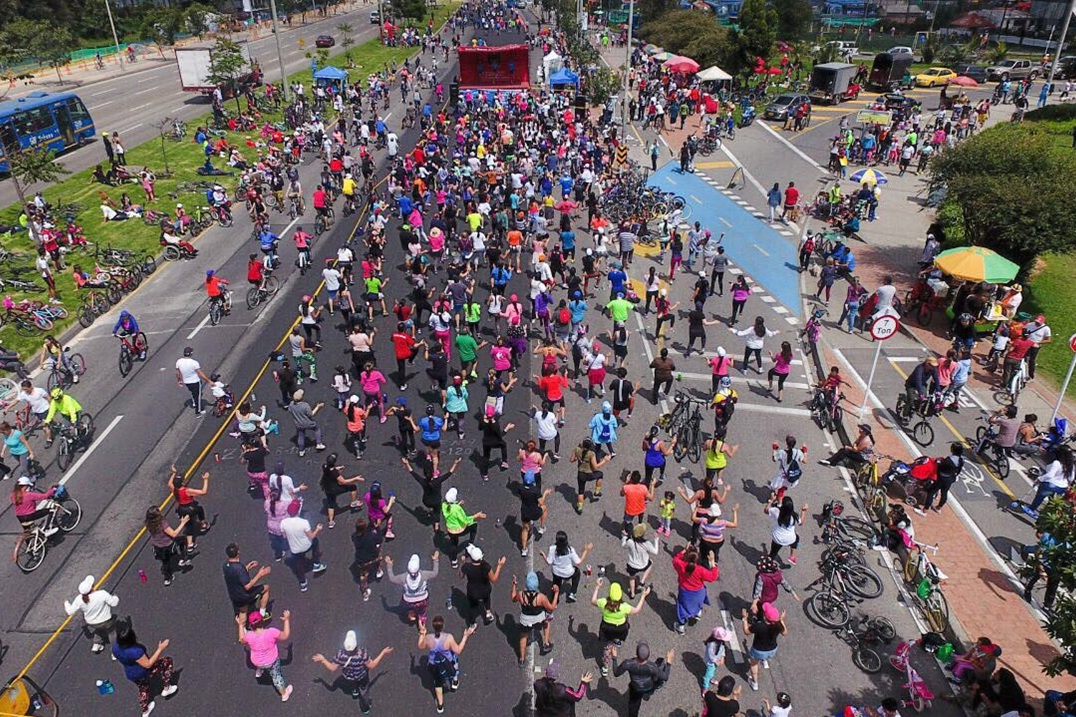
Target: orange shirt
x,y
515,237
634,499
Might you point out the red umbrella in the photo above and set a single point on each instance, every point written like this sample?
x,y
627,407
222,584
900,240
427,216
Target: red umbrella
x,y
963,81
775,70
682,64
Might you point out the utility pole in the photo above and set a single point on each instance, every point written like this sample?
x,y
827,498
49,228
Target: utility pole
x,y
1060,46
115,38
627,74
380,23
279,52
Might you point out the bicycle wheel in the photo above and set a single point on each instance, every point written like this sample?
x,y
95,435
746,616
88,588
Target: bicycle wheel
x,y
56,379
863,581
126,361
214,313
695,446
923,433
86,315
1001,462
253,298
319,226
31,552
856,529
115,292
58,312
828,610
25,327
43,322
63,457
936,610
85,425
69,515
979,433
148,264
77,363
682,438
867,659
884,628
271,285
8,389
836,418
99,302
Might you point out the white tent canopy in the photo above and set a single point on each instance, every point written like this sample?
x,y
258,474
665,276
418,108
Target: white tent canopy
x,y
713,73
552,62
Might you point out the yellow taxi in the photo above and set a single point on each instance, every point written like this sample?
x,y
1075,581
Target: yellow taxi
x,y
935,77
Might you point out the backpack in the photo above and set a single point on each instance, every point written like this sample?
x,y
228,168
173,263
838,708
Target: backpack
x,y
564,317
808,245
793,472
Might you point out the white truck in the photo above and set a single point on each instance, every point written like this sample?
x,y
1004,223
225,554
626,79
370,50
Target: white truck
x,y
193,63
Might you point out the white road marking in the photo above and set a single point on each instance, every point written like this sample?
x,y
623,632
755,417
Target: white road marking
x,y
695,199
780,309
148,89
736,379
734,641
199,327
793,147
725,222
134,126
89,451
764,252
102,104
768,299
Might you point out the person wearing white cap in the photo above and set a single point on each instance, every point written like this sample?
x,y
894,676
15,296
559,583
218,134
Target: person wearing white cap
x,y
96,607
415,583
354,665
458,524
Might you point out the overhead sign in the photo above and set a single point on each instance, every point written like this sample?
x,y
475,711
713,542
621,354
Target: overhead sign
x,y
884,327
883,117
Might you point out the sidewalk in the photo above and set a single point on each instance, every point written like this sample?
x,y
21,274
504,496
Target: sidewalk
x,y
978,590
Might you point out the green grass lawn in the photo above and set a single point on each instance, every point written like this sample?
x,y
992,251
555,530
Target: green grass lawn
x,y
183,158
1052,291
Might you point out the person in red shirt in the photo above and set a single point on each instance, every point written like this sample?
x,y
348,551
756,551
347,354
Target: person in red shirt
x,y
255,272
552,387
406,347
635,497
1018,348
321,201
215,287
792,195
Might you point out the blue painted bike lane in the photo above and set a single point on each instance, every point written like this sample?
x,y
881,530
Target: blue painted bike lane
x,y
757,248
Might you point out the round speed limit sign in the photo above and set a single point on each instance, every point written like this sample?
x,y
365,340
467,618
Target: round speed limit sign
x,y
884,327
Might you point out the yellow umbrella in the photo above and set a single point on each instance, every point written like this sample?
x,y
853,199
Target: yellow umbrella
x,y
976,263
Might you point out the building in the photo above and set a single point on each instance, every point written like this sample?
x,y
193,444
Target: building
x,y
1046,14
902,12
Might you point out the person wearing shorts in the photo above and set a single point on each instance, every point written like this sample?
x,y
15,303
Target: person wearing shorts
x,y
588,469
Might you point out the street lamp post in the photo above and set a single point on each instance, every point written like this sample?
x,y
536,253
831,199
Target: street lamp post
x,y
279,52
1061,44
115,37
627,74
380,23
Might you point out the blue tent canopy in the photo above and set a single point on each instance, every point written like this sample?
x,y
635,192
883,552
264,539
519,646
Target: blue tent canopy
x,y
330,73
564,76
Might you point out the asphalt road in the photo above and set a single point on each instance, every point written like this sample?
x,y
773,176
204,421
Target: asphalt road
x,y
132,104
127,468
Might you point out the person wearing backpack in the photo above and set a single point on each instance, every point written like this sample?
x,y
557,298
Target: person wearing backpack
x,y
806,249
949,469
789,462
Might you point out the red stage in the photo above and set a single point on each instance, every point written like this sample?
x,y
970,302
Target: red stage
x,y
504,67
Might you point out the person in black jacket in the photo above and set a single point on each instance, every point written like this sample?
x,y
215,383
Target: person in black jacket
x,y
645,677
555,699
948,471
921,382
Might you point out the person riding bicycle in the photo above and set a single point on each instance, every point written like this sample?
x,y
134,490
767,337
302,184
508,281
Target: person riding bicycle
x,y
348,188
321,202
25,501
295,192
129,326
53,355
302,244
268,241
256,272
921,383
215,288
218,199
64,404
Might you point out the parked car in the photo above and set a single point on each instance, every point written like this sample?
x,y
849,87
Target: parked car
x,y
975,72
375,17
1066,68
845,48
1012,70
934,77
900,50
784,104
324,41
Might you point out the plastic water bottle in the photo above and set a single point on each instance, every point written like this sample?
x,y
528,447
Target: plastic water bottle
x,y
104,687
448,602
142,575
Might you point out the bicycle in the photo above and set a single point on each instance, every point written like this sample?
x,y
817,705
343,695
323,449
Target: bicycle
x,y
987,449
219,306
70,440
922,432
926,578
63,517
690,436
1016,382
261,294
131,351
920,694
178,131
826,410
61,377
323,221
837,526
861,635
94,303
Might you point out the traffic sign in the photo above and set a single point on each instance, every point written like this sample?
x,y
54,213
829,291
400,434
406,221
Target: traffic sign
x,y
621,158
1072,342
884,327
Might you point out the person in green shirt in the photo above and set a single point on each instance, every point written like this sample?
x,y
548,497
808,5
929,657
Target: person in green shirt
x,y
458,524
374,285
619,308
468,351
614,625
472,313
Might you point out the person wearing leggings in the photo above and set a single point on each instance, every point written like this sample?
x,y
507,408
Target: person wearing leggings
x,y
564,563
460,527
754,338
493,439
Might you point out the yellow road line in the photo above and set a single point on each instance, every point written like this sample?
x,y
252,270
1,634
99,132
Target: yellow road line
x,y
967,443
193,467
714,165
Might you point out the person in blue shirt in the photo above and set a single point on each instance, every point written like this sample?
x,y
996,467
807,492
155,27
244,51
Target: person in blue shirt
x,y
617,277
603,429
567,241
129,326
500,277
546,186
268,242
773,200
405,205
430,427
577,307
566,183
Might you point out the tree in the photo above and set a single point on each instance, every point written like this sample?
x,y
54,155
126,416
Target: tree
x,y
601,84
197,19
1011,184
687,32
29,167
226,66
38,41
999,53
414,9
1056,518
793,18
346,41
758,31
162,24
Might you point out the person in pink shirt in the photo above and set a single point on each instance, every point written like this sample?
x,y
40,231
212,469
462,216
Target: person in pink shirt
x,y
691,578
782,366
371,381
262,641
512,309
502,356
720,365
